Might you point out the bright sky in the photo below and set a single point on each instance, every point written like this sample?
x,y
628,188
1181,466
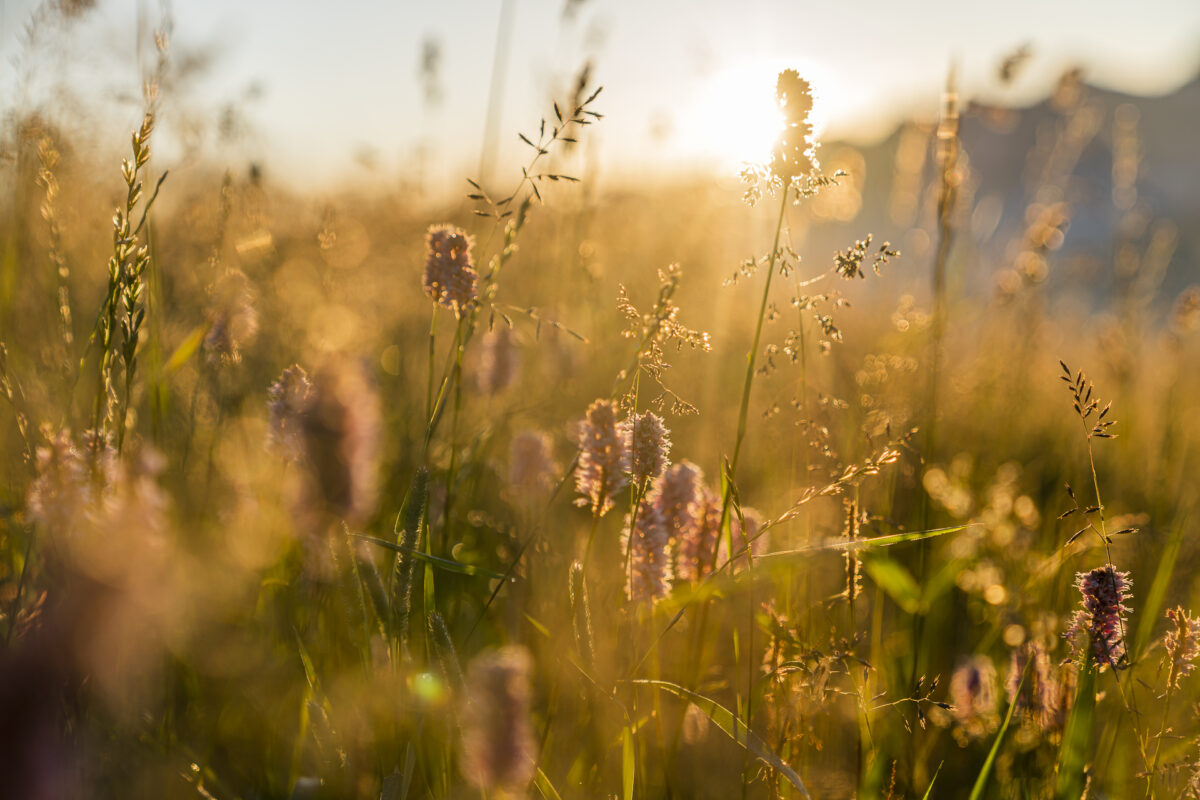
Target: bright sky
x,y
686,82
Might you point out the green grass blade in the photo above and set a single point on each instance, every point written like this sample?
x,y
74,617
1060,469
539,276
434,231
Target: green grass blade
x,y
1077,737
391,787
436,561
734,728
986,770
932,781
628,763
896,581
865,544
186,349
544,786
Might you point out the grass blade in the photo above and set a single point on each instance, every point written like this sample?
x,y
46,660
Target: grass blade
x,y
628,763
1077,737
544,786
986,770
436,561
734,728
932,781
896,581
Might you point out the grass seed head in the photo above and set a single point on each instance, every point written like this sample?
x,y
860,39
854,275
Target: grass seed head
x,y
1182,644
795,153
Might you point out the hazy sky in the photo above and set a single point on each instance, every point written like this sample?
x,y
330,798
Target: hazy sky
x,y
326,88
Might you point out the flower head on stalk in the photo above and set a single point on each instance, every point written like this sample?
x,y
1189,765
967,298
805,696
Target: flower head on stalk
x,y
498,749
449,275
795,152
603,458
649,444
1033,686
1102,620
1182,644
973,695
646,546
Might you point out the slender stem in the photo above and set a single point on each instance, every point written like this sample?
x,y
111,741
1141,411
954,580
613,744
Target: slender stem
x,y
452,471
1162,727
752,357
587,553
432,357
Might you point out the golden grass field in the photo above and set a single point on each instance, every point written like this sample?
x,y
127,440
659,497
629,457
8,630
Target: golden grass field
x,y
851,491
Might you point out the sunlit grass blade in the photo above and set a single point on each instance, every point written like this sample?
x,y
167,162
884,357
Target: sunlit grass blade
x,y
544,786
628,763
986,771
186,349
1077,737
436,561
897,582
932,781
724,719
867,544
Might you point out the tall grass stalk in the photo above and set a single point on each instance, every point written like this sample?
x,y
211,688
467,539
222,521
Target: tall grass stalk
x,y
948,180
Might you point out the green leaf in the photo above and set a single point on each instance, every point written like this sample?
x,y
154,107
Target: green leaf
x,y
981,781
628,763
734,728
441,563
896,581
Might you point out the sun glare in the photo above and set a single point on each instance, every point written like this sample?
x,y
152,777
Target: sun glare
x,y
735,118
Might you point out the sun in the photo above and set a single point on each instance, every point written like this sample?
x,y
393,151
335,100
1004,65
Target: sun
x,y
735,119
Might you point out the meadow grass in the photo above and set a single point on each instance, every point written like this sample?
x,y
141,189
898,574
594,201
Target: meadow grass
x,y
525,496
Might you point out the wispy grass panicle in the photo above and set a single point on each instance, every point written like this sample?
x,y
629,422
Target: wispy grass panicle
x,y
450,276
48,156
795,152
1181,644
1099,629
63,490
740,535
498,749
603,458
